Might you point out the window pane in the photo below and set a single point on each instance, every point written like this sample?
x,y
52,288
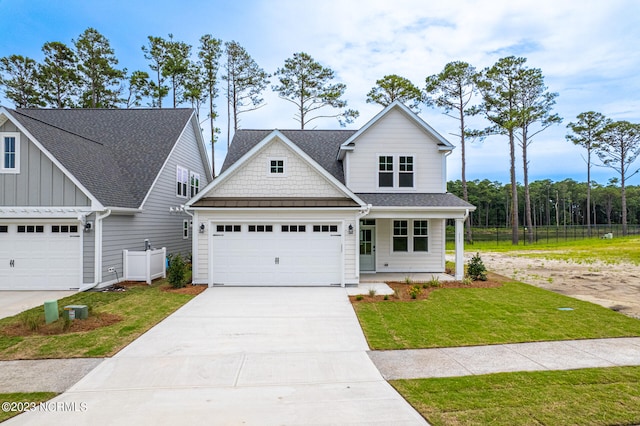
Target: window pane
x,y
385,163
252,228
400,227
420,227
302,228
285,228
21,228
406,180
334,228
269,228
420,244
316,228
385,180
73,228
237,228
219,228
4,228
400,244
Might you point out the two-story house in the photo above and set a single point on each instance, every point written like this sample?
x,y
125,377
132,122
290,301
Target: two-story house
x,y
323,207
80,186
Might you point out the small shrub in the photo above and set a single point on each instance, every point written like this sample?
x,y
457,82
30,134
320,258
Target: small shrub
x,y
434,281
415,291
372,291
408,280
176,274
467,281
32,320
386,297
359,297
476,269
396,293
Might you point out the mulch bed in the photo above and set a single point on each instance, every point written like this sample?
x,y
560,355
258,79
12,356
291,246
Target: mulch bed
x,y
187,289
94,321
402,290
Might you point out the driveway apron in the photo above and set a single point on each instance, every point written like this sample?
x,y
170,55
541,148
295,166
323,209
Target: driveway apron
x,y
250,356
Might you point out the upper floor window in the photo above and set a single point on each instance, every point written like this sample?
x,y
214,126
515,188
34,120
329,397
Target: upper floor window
x,y
385,171
194,184
276,166
182,179
405,176
10,152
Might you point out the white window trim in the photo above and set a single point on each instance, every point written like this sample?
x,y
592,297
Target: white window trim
x,y
185,171
284,166
410,235
396,173
16,169
193,174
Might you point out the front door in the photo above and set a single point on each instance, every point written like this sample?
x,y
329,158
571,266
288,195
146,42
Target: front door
x,y
367,248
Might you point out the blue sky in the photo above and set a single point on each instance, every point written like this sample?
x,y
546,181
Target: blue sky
x,y
587,50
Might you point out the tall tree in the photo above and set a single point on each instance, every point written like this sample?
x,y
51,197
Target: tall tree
x,y
584,133
194,89
618,148
58,76
96,64
534,106
138,89
392,88
245,83
308,85
452,90
209,53
19,76
176,67
156,52
498,86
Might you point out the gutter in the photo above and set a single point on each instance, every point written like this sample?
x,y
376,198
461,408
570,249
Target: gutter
x,y
97,252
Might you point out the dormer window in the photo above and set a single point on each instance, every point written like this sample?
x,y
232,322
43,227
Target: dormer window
x,y
276,166
9,152
385,171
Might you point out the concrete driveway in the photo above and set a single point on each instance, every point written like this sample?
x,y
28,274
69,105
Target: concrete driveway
x,y
231,356
14,302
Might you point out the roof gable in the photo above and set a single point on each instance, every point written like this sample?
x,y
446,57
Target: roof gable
x,y
303,174
349,144
115,154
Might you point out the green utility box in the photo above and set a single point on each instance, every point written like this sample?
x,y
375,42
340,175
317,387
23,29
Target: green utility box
x,y
79,311
50,311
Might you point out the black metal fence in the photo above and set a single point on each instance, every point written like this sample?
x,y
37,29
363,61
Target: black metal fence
x,y
546,234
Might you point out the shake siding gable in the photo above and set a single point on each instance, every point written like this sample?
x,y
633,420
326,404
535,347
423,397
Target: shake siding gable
x,y
254,179
40,183
156,223
395,134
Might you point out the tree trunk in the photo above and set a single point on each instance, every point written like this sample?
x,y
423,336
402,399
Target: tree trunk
x,y
623,197
467,222
514,191
527,196
228,104
589,191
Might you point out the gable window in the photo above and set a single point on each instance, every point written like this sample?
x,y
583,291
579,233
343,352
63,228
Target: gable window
x,y
276,166
420,235
400,235
194,184
182,178
385,171
405,176
9,152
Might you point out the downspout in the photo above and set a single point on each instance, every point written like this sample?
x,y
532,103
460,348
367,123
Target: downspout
x,y
97,273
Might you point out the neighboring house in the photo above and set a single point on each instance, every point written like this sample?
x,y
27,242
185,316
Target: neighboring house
x,y
79,186
323,207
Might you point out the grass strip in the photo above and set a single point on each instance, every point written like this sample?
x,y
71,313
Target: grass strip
x,y
16,403
602,396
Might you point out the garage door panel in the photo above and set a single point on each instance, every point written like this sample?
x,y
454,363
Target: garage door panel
x,y
276,258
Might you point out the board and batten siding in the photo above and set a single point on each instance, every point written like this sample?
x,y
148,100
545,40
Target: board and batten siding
x,y
389,261
253,179
88,252
395,134
156,223
346,218
40,183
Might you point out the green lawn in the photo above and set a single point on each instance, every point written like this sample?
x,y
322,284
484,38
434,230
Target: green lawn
x,y
602,396
16,402
512,313
626,249
140,307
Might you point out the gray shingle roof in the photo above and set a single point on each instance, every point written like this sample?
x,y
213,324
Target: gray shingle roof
x,y
321,145
115,153
414,199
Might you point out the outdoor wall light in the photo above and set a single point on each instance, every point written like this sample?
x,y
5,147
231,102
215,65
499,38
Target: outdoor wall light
x,y
350,229
202,228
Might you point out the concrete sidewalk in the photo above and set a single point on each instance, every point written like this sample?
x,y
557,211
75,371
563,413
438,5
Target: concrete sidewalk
x,y
254,356
473,360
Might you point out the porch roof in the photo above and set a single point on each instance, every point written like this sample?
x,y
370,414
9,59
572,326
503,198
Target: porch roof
x,y
273,202
445,201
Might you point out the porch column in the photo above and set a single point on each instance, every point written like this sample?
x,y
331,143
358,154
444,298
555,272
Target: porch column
x,y
459,249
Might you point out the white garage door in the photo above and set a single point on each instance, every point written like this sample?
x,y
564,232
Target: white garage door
x,y
39,256
276,254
